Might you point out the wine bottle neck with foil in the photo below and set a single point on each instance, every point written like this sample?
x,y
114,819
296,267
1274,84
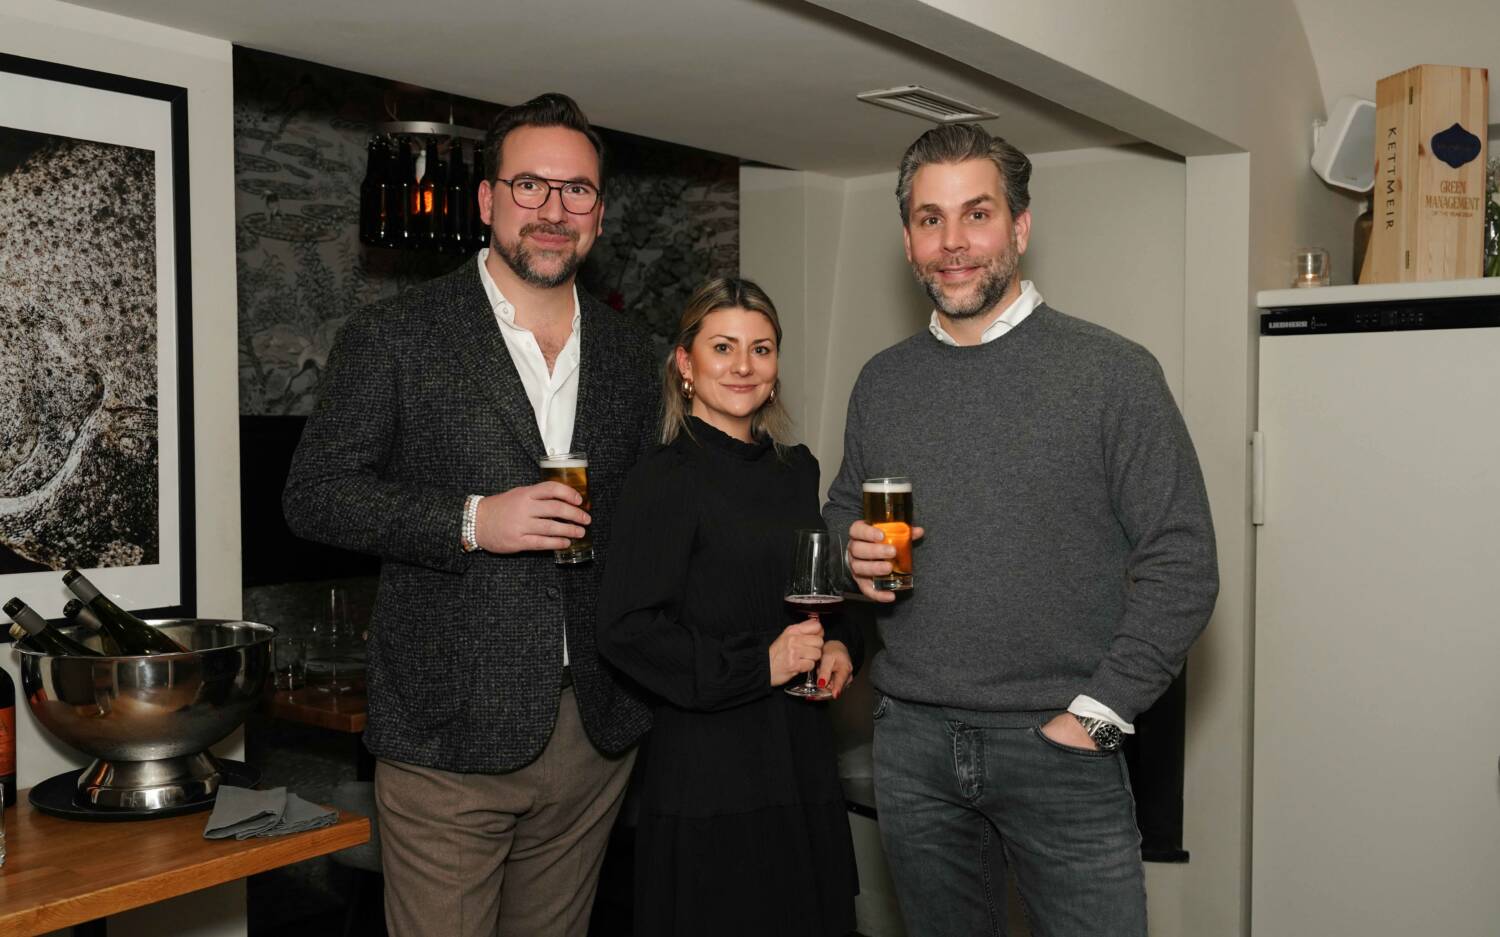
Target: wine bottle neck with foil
x,y
131,634
32,629
78,613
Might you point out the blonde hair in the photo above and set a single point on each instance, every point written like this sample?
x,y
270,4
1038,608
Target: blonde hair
x,y
772,419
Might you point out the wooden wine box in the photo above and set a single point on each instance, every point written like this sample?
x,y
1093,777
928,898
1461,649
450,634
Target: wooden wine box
x,y
1431,123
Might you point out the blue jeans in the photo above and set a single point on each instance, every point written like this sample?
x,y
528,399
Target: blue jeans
x,y
958,803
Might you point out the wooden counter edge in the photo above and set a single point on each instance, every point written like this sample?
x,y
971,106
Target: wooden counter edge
x,y
289,706
263,854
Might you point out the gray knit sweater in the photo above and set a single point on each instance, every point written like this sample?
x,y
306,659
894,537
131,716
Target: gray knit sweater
x,y
1068,542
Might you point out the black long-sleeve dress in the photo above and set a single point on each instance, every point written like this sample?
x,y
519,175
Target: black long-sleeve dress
x,y
743,828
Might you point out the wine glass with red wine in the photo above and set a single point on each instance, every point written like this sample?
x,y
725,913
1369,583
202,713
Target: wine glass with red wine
x,y
813,589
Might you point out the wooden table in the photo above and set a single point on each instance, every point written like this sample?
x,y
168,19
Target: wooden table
x,y
63,872
342,712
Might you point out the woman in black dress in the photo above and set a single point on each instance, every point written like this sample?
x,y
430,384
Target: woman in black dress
x,y
743,829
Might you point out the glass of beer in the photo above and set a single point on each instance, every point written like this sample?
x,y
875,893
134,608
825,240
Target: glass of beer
x,y
888,509
572,469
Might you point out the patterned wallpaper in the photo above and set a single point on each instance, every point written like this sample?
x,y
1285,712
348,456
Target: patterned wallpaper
x,y
671,219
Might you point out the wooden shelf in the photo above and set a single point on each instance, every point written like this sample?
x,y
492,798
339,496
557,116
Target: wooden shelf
x,y
59,873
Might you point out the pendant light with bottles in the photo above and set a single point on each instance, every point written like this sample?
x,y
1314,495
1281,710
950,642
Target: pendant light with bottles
x,y
417,191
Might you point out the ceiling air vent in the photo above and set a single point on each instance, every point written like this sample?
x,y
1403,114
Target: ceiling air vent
x,y
926,104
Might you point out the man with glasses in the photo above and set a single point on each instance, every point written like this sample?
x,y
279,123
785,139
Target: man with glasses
x,y
504,745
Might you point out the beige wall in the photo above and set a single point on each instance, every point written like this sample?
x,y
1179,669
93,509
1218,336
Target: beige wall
x,y
1107,243
58,32
1356,43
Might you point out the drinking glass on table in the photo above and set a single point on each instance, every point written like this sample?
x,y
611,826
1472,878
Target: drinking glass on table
x,y
888,508
335,652
571,469
813,589
288,661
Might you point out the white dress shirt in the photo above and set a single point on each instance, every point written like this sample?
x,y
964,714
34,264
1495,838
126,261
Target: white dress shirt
x,y
1012,316
553,394
1009,319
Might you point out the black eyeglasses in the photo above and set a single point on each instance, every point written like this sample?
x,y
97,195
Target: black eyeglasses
x,y
579,198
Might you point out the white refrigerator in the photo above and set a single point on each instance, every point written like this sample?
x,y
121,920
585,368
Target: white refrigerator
x,y
1376,787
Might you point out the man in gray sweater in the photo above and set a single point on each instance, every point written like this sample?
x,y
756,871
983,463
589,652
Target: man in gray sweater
x,y
1067,565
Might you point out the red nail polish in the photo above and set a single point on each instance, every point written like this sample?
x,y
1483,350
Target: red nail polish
x,y
822,682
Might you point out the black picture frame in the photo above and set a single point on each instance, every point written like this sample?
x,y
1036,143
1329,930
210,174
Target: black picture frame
x,y
40,89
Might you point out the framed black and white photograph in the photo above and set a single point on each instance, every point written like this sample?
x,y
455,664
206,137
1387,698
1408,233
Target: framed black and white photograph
x,y
95,340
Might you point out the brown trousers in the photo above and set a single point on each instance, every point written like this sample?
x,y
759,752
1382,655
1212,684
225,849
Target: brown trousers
x,y
499,855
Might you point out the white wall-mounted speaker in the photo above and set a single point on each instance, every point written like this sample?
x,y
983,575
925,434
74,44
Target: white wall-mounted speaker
x,y
1345,152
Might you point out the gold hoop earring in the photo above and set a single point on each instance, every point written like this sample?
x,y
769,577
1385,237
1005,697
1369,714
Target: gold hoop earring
x,y
687,389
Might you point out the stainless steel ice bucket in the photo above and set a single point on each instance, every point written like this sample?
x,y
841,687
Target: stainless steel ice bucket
x,y
148,720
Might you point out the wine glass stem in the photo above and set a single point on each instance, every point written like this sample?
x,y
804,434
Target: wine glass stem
x,y
810,681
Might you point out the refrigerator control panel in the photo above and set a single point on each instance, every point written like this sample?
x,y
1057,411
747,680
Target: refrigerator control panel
x,y
1469,313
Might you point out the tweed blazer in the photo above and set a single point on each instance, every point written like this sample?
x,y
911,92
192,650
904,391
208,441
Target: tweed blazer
x,y
422,406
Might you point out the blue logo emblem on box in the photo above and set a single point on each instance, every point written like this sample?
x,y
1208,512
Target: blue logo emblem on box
x,y
1456,146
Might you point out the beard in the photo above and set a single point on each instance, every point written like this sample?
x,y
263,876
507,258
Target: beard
x,y
522,260
996,276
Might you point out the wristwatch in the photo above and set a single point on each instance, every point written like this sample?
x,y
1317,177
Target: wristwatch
x,y
1105,734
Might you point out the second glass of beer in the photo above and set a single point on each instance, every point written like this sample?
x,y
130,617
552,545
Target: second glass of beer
x,y
572,469
888,509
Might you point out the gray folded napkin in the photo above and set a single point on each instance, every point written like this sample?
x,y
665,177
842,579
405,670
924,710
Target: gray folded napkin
x,y
242,813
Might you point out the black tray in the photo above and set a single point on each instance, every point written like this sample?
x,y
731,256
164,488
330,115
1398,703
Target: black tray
x,y
55,797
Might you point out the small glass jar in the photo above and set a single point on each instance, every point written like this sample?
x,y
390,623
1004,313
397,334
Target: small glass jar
x,y
288,662
1310,266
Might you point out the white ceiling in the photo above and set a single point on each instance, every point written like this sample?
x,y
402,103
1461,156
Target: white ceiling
x,y
766,80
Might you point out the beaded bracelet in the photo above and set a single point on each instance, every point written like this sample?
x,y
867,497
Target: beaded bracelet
x,y
468,537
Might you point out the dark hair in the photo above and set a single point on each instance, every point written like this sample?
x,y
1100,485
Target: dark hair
x,y
552,109
958,143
